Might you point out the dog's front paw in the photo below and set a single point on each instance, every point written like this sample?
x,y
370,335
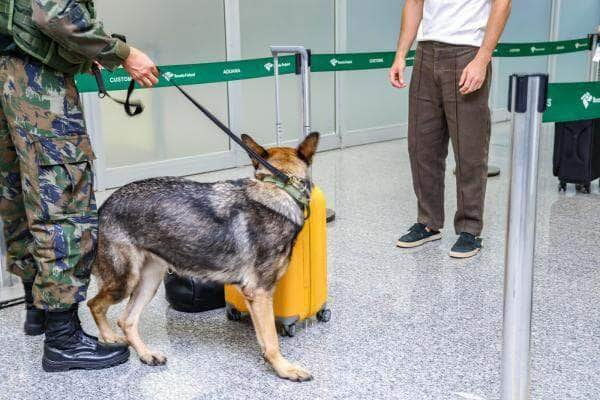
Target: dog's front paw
x,y
153,358
295,373
115,339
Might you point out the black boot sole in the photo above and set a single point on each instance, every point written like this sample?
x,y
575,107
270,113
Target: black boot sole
x,y
61,366
33,330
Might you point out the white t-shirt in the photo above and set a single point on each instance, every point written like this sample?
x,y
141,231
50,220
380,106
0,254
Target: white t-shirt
x,y
461,22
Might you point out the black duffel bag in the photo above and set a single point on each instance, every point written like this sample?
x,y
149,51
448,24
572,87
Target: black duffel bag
x,y
191,295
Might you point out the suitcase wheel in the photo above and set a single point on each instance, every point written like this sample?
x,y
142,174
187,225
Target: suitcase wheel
x,y
233,314
562,186
324,315
584,188
288,330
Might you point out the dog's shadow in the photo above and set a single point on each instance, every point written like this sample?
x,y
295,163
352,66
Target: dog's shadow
x,y
209,330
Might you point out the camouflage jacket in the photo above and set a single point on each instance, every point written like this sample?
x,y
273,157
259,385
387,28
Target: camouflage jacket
x,y
70,23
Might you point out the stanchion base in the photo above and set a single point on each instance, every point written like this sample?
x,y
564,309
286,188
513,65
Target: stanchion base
x,y
330,215
493,171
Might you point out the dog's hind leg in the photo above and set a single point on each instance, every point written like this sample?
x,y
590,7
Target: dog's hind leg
x,y
260,301
151,276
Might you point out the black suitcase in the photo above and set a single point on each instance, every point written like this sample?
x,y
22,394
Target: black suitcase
x,y
191,295
577,153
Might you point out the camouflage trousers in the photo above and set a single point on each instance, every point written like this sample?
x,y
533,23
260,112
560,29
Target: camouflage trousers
x,y
47,201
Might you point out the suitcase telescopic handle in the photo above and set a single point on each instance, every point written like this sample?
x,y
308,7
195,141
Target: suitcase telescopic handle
x,y
303,58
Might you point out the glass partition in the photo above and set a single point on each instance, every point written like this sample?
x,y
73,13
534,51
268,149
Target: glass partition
x,y
369,101
529,22
369,108
275,22
170,128
575,22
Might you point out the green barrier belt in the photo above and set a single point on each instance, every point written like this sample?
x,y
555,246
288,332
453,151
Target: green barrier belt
x,y
196,74
541,48
573,101
356,61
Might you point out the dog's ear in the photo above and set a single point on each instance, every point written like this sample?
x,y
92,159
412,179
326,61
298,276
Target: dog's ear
x,y
257,148
307,149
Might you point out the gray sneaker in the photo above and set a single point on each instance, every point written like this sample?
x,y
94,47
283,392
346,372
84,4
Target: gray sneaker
x,y
466,246
418,235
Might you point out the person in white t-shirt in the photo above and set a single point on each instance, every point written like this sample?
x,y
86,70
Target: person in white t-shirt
x,y
448,100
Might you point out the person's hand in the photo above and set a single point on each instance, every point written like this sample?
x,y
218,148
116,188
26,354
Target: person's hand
x,y
141,68
473,75
397,73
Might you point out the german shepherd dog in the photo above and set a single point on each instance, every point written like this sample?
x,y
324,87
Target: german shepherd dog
x,y
234,232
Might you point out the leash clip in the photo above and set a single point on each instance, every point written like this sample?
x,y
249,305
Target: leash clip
x,y
301,186
298,184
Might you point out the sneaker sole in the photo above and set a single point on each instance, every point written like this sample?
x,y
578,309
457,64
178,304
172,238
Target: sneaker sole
x,y
60,366
455,254
410,245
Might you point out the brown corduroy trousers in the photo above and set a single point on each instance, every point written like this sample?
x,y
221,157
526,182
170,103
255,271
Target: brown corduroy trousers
x,y
438,112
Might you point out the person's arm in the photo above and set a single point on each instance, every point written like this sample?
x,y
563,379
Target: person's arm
x,y
411,18
474,74
69,23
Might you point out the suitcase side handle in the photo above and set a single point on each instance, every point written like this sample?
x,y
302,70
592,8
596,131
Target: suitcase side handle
x,y
572,150
557,158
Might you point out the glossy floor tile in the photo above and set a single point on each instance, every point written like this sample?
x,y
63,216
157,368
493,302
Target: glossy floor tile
x,y
405,324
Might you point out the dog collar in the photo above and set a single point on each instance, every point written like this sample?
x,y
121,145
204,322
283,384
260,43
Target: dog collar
x,y
297,188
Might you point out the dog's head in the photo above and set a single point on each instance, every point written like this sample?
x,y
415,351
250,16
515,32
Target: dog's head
x,y
287,159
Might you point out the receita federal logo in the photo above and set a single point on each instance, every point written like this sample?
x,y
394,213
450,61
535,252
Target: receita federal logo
x,y
588,99
170,75
269,66
537,49
335,62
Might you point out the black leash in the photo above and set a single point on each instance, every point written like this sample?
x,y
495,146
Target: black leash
x,y
277,172
131,108
11,302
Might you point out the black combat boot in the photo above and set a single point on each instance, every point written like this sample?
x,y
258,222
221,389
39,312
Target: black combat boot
x,y
67,346
34,318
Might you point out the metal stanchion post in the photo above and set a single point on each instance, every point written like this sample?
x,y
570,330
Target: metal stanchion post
x,y
594,67
528,94
278,125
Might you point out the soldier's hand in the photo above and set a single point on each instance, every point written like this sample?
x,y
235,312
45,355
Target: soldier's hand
x,y
141,68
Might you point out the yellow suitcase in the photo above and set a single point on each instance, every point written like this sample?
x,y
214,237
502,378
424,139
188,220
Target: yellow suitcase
x,y
302,291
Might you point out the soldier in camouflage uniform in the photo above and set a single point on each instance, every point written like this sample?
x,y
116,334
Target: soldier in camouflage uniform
x,y
47,201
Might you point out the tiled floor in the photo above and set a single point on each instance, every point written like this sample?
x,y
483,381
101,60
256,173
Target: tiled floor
x,y
406,324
